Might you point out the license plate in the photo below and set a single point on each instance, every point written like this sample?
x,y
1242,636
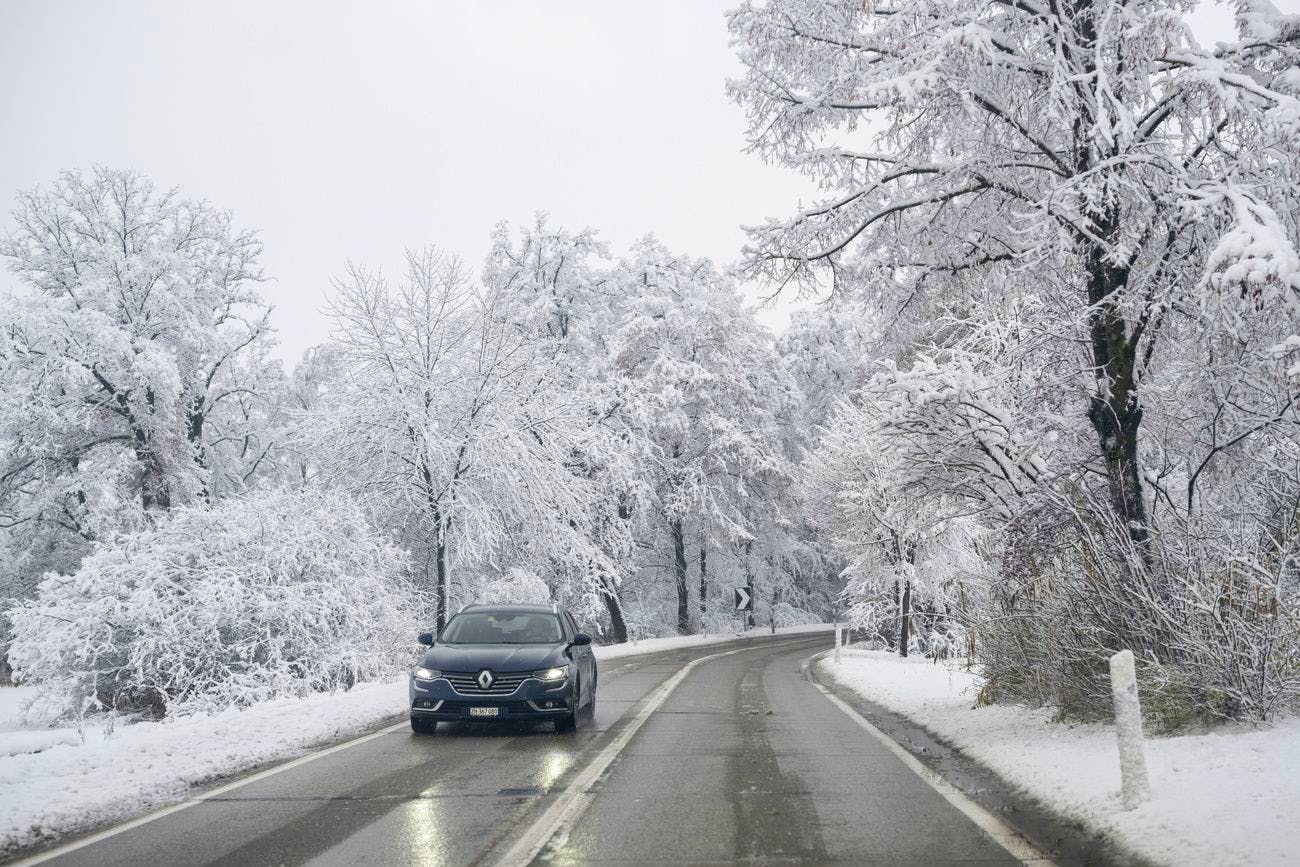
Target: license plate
x,y
484,711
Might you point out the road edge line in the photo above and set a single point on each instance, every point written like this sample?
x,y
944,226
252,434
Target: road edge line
x,y
1001,832
575,799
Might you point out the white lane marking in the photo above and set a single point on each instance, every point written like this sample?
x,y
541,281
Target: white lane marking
x,y
989,822
60,851
558,819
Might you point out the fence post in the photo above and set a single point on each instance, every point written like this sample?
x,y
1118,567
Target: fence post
x,y
1134,785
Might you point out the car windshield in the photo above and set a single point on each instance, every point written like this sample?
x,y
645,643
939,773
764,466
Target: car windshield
x,y
485,627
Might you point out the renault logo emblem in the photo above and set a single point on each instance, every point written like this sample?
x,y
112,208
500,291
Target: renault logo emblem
x,y
485,679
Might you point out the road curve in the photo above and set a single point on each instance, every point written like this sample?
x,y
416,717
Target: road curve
x,y
743,761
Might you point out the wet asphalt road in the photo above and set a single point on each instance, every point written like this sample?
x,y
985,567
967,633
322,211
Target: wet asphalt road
x,y
744,762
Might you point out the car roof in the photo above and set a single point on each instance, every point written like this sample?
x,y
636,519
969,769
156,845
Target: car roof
x,y
534,609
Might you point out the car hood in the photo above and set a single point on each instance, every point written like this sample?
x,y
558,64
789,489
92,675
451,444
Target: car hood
x,y
498,657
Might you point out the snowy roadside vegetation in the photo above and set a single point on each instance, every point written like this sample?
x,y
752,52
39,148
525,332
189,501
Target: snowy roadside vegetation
x,y
188,528
1219,797
1058,375
272,594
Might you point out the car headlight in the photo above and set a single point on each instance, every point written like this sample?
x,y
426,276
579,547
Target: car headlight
x,y
426,674
550,674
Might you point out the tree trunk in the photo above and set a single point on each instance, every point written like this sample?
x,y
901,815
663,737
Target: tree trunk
x,y
679,571
440,526
905,619
749,580
1114,411
440,557
614,605
704,581
155,492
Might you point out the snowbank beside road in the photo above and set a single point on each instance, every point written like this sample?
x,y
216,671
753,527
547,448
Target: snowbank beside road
x,y
68,788
1225,798
53,784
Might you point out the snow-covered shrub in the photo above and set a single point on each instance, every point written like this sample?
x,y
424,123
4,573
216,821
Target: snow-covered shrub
x,y
945,641
268,594
1213,623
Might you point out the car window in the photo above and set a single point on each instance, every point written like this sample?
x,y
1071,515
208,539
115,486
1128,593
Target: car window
x,y
486,627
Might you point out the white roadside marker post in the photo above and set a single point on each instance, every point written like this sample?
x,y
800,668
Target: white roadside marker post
x,y
837,644
1134,785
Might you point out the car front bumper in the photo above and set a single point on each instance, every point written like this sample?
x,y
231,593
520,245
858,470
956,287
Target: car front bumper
x,y
532,700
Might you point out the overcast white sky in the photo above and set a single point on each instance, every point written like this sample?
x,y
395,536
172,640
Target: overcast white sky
x,y
355,130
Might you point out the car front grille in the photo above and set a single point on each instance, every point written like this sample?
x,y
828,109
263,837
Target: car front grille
x,y
503,683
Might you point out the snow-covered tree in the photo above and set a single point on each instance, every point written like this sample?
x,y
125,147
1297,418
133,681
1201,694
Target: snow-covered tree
x,y
1091,150
828,351
555,290
132,365
453,423
135,311
1077,226
258,596
703,392
902,477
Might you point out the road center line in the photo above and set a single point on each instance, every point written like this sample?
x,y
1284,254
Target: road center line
x,y
569,805
989,822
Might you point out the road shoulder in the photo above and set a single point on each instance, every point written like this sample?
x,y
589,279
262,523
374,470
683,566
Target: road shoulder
x,y
1068,841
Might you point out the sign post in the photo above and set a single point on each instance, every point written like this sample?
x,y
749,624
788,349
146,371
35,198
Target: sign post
x,y
1134,785
837,643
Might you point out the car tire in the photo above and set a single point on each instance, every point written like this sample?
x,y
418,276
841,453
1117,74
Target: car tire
x,y
423,726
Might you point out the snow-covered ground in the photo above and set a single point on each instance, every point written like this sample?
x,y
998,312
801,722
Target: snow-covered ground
x,y
76,785
54,783
1224,798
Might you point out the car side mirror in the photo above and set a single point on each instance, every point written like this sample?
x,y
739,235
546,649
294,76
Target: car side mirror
x,y
425,638
581,639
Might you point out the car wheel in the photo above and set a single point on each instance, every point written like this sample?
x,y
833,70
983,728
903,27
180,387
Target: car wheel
x,y
423,726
